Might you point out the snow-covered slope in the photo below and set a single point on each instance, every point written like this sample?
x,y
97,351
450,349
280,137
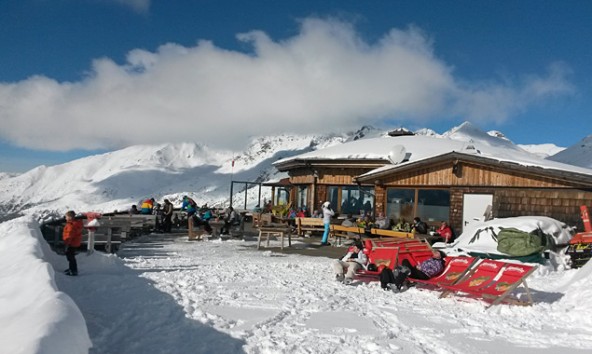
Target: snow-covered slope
x,y
469,132
542,150
115,180
579,154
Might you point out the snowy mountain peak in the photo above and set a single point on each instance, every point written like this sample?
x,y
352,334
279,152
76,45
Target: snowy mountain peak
x,y
497,134
427,132
115,180
471,134
579,154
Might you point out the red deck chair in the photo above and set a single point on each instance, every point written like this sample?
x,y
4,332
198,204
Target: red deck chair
x,y
511,277
381,257
455,269
482,275
414,256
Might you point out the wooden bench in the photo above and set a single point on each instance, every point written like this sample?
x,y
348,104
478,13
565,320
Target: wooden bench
x,y
340,232
274,230
309,225
391,233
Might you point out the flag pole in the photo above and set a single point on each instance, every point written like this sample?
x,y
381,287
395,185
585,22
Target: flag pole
x,y
231,178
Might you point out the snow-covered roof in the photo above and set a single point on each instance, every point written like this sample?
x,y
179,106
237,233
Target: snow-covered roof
x,y
403,150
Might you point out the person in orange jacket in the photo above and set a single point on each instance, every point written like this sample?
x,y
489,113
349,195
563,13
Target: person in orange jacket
x,y
72,237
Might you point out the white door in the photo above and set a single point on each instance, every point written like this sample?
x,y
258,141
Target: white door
x,y
475,207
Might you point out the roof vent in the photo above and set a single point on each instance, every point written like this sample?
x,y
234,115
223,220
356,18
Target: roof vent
x,y
400,132
470,148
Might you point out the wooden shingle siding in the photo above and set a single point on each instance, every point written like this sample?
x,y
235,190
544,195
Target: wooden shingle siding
x,y
561,204
471,175
338,176
518,190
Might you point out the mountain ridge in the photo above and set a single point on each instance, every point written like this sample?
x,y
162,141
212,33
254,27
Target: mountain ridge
x,y
115,180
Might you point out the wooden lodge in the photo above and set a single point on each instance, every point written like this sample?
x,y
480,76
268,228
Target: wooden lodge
x,y
437,179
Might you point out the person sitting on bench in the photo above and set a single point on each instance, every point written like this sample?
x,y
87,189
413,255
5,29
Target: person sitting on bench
x,y
231,218
445,232
419,227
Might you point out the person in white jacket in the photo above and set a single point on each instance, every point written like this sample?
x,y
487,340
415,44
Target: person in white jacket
x,y
327,215
354,259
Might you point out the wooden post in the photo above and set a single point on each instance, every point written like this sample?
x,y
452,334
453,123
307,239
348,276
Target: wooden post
x,y
109,235
190,227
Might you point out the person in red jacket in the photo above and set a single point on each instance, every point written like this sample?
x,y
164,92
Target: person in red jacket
x,y
445,232
72,237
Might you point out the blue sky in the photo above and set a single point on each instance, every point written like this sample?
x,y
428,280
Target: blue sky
x,y
79,77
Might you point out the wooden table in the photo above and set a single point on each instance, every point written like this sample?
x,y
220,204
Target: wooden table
x,y
275,230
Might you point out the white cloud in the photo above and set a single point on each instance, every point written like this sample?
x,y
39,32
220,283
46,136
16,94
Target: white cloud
x,y
326,78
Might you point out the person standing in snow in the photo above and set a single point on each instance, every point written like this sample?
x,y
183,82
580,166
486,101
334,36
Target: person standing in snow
x,y
354,259
190,206
167,213
327,215
72,236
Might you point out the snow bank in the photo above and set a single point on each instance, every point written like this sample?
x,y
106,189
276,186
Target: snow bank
x,y
471,240
35,316
170,295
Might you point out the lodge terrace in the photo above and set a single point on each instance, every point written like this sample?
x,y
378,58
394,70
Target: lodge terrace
x,y
437,179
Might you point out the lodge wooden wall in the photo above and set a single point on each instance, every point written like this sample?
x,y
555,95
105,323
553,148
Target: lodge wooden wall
x,y
470,174
563,205
560,204
515,192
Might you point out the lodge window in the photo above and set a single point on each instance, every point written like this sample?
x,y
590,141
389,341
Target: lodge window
x,y
282,196
400,203
430,205
433,204
351,200
301,197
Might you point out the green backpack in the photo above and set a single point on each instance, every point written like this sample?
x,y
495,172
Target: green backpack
x,y
518,243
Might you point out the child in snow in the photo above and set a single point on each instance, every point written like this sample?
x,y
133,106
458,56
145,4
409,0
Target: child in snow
x,y
72,236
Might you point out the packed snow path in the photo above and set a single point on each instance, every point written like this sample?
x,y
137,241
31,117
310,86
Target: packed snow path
x,y
175,296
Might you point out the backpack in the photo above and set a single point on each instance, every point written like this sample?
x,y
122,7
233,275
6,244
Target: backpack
x,y
518,243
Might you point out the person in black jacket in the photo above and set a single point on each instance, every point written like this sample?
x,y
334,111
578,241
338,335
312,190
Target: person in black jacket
x,y
167,214
419,226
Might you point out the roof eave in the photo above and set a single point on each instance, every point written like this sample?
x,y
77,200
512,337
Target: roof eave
x,y
330,163
572,177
